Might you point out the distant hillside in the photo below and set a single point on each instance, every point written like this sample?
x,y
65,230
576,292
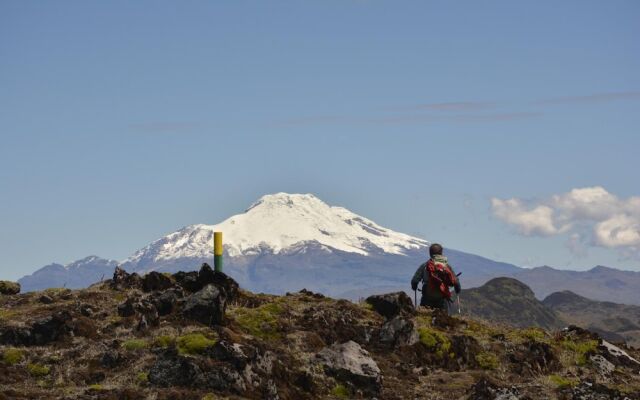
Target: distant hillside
x,y
615,322
599,283
510,301
76,275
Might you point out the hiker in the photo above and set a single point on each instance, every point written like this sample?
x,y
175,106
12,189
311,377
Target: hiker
x,y
437,276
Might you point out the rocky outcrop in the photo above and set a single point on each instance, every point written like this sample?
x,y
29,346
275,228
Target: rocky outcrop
x,y
353,365
41,332
206,306
391,304
9,288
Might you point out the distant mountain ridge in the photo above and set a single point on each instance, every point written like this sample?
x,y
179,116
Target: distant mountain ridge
x,y
615,322
76,275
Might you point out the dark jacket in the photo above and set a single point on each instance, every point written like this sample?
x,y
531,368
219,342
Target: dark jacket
x,y
428,294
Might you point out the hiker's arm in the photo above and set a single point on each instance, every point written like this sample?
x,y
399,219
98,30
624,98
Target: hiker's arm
x,y
417,277
456,286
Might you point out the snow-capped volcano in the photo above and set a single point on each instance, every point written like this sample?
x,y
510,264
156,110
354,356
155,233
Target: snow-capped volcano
x,y
279,223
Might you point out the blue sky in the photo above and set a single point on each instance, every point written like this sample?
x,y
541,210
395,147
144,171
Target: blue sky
x,y
122,121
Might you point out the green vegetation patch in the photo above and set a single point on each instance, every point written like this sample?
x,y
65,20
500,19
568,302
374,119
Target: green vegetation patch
x,y
562,382
340,391
436,341
142,377
164,341
38,370
581,349
194,343
134,344
536,334
261,322
487,360
7,314
12,356
96,387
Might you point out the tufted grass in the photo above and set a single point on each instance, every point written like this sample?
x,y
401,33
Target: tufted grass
x,y
12,356
261,321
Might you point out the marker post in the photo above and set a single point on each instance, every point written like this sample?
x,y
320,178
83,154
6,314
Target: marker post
x,y
217,251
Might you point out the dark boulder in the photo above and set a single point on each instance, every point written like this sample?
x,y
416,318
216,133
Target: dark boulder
x,y
165,302
44,299
232,353
156,281
126,308
16,336
488,389
208,276
188,280
51,328
8,287
534,358
123,280
206,306
171,369
391,304
110,359
148,314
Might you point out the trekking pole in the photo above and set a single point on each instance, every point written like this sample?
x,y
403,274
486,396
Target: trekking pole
x,y
459,307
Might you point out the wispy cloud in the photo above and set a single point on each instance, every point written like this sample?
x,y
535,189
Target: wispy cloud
x,y
407,119
455,106
164,127
593,98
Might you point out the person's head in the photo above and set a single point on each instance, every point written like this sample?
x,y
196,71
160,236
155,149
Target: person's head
x,y
435,250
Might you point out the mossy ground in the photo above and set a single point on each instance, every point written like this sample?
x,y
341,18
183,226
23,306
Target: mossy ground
x,y
291,328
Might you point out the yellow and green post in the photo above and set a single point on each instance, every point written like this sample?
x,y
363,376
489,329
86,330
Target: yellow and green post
x,y
217,251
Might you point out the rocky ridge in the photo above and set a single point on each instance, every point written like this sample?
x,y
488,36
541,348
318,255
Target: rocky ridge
x,y
197,335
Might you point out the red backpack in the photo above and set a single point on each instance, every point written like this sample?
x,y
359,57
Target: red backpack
x,y
440,278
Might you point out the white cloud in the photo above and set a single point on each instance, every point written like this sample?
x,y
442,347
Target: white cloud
x,y
607,220
535,221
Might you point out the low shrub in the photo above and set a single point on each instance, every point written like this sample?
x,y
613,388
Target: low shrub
x,y
38,370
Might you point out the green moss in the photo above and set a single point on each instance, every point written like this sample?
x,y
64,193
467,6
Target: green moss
x,y
581,349
487,360
38,370
96,387
134,344
12,356
562,382
535,334
210,396
164,341
194,343
142,377
261,322
52,292
436,341
340,391
7,314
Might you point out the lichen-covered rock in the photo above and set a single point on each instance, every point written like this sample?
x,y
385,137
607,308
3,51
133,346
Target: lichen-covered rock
x,y
352,364
9,288
487,389
206,306
171,369
391,304
617,356
207,276
399,331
